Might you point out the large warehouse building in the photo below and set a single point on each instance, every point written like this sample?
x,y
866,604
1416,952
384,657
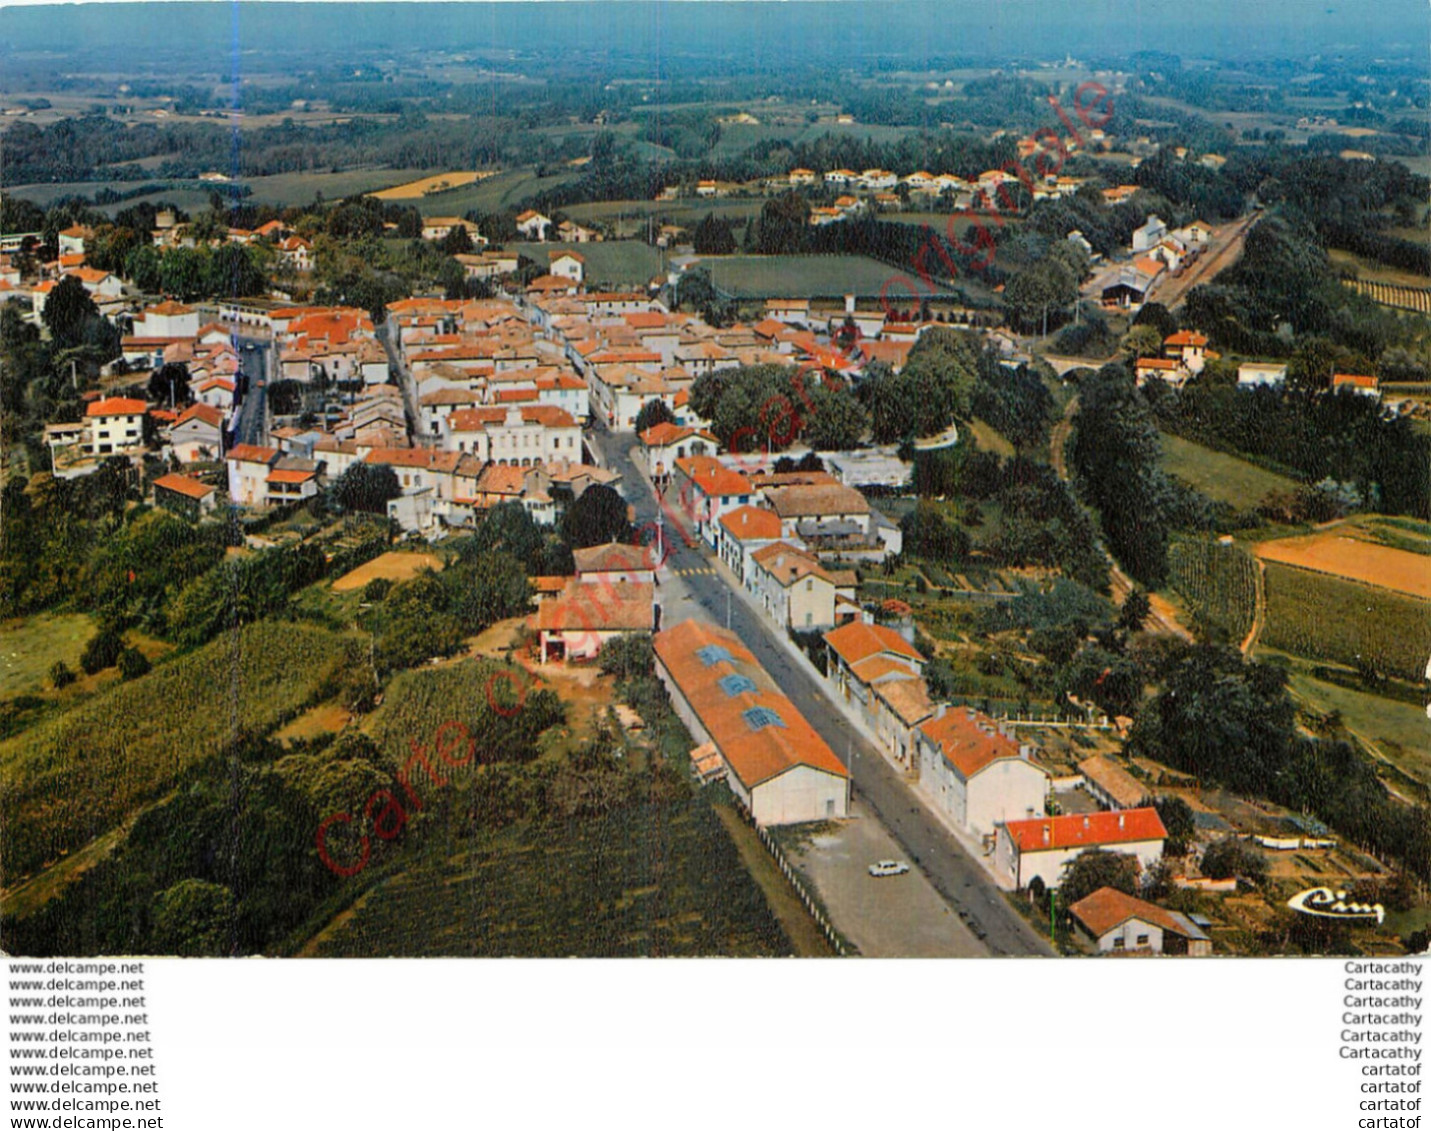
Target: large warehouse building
x,y
781,770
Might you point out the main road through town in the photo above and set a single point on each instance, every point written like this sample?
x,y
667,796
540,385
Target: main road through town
x,y
687,581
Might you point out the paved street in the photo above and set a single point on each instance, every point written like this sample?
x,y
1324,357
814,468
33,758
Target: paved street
x,y
257,363
689,587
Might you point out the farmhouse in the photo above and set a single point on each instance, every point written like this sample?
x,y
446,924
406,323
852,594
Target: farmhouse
x,y
976,772
582,619
1114,923
184,495
778,766
1042,848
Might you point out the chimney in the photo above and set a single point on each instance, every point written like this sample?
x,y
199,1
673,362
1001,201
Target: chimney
x,y
1120,820
939,711
1046,829
1085,822
849,304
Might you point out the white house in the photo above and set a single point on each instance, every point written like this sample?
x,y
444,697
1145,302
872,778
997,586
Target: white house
x,y
744,531
582,619
198,434
780,769
706,490
568,265
168,319
116,424
1150,235
976,772
1042,848
533,225
793,588
1114,923
249,466
665,443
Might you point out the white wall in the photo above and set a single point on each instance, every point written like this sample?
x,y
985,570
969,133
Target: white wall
x,y
801,793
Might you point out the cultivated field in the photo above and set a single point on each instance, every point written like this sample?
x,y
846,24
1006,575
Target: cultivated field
x,y
1219,476
75,777
427,186
1342,556
1326,617
645,880
393,566
1218,581
1400,731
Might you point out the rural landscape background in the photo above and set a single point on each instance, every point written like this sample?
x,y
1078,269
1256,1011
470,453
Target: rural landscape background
x,y
1170,517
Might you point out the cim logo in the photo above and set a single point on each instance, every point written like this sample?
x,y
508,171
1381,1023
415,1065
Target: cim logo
x,y
1328,904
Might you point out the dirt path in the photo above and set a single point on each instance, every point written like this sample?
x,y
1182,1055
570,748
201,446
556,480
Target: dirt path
x,y
807,939
1259,608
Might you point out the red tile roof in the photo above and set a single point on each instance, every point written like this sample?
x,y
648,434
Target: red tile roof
x,y
754,756
279,475
714,479
1357,380
621,607
970,740
1088,830
858,641
612,557
183,485
1108,908
207,413
116,406
252,453
754,523
1186,338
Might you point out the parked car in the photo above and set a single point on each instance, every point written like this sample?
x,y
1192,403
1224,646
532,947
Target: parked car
x,y
889,868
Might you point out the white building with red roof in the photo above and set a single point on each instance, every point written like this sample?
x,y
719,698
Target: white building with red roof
x,y
249,465
198,434
1044,846
116,425
533,225
879,675
977,772
664,443
168,319
185,495
706,489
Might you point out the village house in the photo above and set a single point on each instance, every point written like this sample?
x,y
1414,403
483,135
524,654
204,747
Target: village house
x,y
578,622
793,588
827,516
779,768
1357,384
519,435
1042,848
440,227
569,265
296,252
198,434
976,772
217,392
744,531
533,225
615,562
185,495
664,443
1150,235
116,425
707,489
249,465
569,232
864,664
1111,922
1188,347
168,319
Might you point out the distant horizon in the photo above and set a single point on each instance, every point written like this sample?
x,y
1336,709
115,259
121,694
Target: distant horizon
x,y
805,29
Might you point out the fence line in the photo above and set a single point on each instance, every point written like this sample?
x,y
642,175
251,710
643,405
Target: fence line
x,y
788,871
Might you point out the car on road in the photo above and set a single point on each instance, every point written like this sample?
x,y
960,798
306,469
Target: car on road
x,y
889,868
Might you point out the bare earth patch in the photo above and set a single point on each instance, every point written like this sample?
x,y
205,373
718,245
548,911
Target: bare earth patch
x,y
393,566
1354,559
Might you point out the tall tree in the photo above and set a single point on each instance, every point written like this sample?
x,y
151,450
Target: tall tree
x,y
67,308
600,515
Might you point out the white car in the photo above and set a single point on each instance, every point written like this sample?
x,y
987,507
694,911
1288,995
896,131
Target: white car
x,y
889,868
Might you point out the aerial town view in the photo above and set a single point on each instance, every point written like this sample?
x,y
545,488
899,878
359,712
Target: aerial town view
x,y
625,479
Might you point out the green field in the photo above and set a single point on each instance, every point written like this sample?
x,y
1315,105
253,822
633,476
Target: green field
x,y
645,880
30,647
76,776
629,217
1401,731
1324,617
1219,583
617,263
804,276
1221,477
